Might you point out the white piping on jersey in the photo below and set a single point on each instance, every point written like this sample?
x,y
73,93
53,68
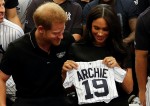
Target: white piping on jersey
x,y
31,40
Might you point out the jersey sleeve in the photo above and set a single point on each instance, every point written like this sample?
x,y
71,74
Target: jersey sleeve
x,y
119,74
69,79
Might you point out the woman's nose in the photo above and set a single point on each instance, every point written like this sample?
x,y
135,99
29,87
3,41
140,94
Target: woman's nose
x,y
100,33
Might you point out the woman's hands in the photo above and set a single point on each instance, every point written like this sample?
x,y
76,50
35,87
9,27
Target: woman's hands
x,y
110,62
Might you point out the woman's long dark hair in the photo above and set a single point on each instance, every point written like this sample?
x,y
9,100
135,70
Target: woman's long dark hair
x,y
114,42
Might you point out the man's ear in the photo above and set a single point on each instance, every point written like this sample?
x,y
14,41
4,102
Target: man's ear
x,y
41,29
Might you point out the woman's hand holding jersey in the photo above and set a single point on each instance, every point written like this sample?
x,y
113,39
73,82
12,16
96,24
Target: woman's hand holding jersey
x,y
110,62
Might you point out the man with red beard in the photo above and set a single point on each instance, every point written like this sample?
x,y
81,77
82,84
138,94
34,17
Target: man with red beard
x,y
35,60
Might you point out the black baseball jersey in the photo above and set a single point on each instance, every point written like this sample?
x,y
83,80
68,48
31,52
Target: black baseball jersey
x,y
94,81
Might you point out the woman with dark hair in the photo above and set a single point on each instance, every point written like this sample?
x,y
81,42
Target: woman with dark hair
x,y
102,41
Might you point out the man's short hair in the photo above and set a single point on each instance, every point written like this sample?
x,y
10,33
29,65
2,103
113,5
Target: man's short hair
x,y
48,13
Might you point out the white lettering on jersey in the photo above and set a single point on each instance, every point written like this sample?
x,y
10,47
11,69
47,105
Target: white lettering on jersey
x,y
68,15
94,81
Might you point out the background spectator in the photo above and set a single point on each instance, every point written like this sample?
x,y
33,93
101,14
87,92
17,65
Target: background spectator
x,y
142,59
8,33
72,9
82,2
